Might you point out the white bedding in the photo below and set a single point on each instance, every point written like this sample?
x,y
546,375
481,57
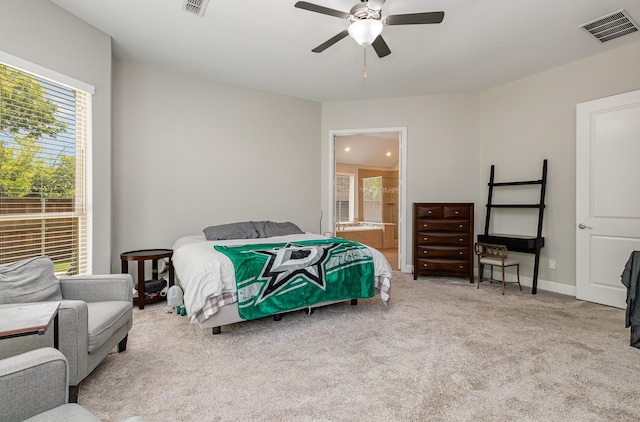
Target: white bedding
x,y
208,277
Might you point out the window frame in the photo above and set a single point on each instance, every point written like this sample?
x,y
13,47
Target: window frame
x,y
82,157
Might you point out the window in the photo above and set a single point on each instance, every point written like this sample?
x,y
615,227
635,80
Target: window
x,y
344,198
372,199
44,133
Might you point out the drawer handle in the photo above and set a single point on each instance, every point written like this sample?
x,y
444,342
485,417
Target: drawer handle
x,y
460,266
426,238
460,253
461,239
429,212
424,251
460,226
424,265
457,212
425,226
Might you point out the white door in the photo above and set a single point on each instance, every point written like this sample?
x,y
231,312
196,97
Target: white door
x,y
607,195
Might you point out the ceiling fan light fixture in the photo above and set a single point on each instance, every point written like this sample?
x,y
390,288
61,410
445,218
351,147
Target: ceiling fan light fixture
x,y
365,31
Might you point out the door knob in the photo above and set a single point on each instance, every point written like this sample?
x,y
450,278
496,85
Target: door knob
x,y
582,226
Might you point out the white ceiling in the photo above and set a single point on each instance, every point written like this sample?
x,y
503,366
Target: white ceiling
x,y
372,149
267,44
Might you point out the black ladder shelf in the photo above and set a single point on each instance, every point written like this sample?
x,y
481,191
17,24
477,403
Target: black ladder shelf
x,y
516,243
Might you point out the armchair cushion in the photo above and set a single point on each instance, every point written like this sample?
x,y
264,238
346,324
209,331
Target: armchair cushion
x,y
29,280
105,318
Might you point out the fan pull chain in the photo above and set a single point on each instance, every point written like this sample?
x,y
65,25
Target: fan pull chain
x,y
364,67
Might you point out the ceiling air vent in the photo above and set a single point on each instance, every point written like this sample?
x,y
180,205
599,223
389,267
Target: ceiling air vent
x,y
611,26
195,7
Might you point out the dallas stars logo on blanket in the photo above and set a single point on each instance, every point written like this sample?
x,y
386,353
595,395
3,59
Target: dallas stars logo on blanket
x,y
273,278
287,262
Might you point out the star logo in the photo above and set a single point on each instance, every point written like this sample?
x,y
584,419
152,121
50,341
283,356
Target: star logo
x,y
290,261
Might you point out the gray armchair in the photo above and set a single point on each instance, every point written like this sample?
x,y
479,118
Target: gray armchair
x,y
33,387
94,317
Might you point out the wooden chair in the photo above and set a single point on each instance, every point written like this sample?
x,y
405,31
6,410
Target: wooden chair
x,y
495,255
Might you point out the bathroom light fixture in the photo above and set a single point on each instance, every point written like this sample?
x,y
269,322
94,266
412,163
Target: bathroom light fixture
x,y
365,31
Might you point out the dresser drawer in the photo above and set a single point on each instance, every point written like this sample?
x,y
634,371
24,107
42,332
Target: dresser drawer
x,y
429,211
443,225
431,238
438,251
426,265
452,212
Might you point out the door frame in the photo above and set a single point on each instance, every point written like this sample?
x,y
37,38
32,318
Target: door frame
x,y
402,184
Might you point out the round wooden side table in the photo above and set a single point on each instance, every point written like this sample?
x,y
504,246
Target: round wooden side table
x,y
145,255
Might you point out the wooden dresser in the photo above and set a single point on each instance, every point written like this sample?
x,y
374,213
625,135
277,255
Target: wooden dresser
x,y
443,239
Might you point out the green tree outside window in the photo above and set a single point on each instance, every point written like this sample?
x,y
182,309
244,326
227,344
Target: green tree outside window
x,y
27,117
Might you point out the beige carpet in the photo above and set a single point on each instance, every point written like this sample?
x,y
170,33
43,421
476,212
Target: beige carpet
x,y
441,351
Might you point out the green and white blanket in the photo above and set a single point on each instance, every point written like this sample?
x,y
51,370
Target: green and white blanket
x,y
277,277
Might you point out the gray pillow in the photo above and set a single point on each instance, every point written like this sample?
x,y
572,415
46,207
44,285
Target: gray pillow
x,y
259,226
29,280
241,230
269,229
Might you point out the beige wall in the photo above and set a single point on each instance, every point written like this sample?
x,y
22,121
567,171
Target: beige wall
x,y
523,122
442,146
46,35
191,152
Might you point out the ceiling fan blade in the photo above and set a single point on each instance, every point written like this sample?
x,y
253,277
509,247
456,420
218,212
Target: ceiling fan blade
x,y
375,4
415,18
381,47
330,41
321,9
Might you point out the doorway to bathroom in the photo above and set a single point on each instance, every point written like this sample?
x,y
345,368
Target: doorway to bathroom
x,y
367,190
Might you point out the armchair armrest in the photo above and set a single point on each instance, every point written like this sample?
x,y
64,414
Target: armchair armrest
x,y
97,288
73,337
32,383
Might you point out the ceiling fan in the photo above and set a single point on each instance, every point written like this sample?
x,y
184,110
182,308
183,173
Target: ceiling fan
x,y
367,23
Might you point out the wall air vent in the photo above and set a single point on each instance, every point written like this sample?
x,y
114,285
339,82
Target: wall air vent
x,y
195,7
612,26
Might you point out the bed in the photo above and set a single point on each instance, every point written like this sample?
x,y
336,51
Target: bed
x,y
206,272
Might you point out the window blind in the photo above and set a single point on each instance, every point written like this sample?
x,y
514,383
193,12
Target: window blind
x,y
372,199
44,133
344,198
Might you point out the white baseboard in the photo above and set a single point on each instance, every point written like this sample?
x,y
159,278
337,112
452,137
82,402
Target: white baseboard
x,y
549,286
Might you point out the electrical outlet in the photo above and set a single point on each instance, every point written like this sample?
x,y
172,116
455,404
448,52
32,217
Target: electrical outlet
x,y
552,264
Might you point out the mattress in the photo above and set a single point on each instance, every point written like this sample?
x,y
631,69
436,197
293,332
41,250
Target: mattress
x,y
207,276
